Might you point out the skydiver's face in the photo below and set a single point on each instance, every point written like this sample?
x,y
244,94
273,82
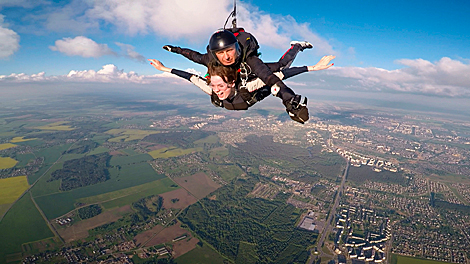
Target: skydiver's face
x,y
222,89
227,56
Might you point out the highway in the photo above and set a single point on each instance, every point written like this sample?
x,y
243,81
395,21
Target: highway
x,y
327,228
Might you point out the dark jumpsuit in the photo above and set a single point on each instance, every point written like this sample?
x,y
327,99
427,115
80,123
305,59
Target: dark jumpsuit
x,y
243,99
249,48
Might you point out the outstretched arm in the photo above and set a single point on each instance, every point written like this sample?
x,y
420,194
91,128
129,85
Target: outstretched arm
x,y
196,80
190,54
159,66
323,64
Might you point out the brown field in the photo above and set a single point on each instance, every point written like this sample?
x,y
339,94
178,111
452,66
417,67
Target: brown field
x,y
117,153
185,199
168,234
80,229
155,147
184,246
199,184
143,237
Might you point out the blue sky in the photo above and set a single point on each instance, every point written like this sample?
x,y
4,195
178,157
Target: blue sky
x,y
419,47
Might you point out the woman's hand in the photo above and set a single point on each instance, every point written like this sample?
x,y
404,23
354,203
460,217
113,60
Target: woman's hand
x,y
158,65
322,64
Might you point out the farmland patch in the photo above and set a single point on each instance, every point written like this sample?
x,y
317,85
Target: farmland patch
x,y
178,199
12,188
199,184
7,162
80,229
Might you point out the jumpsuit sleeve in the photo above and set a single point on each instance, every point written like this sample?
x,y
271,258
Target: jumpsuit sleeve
x,y
282,75
257,83
293,71
262,71
194,56
194,79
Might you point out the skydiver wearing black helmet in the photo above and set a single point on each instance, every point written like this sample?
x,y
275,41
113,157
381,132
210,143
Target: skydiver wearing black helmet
x,y
239,49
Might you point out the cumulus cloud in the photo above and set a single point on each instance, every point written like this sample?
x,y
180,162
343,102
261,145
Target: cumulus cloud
x,y
193,21
107,74
445,77
10,40
88,48
81,46
173,19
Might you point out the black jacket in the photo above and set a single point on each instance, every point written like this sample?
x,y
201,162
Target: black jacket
x,y
249,46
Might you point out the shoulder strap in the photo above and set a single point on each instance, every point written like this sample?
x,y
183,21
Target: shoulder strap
x,y
216,101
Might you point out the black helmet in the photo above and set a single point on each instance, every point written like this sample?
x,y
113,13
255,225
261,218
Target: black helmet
x,y
221,40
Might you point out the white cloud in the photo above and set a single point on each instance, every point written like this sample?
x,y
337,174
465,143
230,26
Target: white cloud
x,y
81,46
445,77
9,40
173,19
193,21
129,52
107,74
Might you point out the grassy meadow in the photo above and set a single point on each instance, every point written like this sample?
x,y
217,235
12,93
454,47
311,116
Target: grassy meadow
x,y
128,134
56,126
165,153
399,259
158,186
201,255
55,204
23,223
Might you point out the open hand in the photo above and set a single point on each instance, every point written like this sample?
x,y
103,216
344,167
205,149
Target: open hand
x,y
323,63
158,65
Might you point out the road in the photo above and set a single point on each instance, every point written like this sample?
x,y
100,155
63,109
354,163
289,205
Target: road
x,y
326,230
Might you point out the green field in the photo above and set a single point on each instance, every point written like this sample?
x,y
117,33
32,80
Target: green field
x,y
172,152
23,223
52,154
3,209
32,178
23,159
72,156
212,139
246,253
124,160
219,152
43,187
12,188
399,259
158,186
7,162
201,255
57,126
226,172
57,204
128,134
98,150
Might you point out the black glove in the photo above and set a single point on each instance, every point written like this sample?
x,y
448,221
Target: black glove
x,y
297,109
169,48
